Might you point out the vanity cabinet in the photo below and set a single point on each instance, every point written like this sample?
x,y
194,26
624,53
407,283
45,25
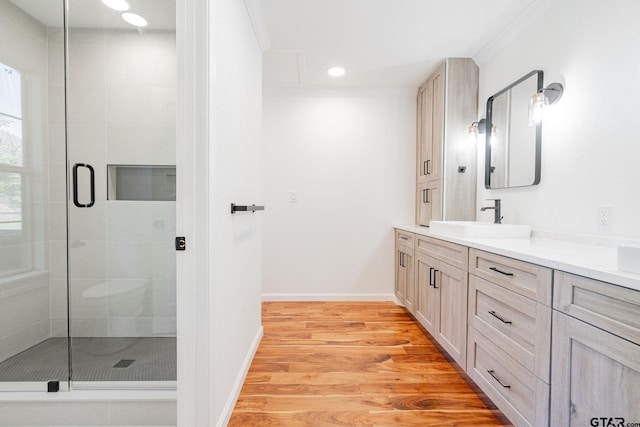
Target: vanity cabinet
x,y
404,269
549,348
447,103
596,352
428,298
441,303
509,335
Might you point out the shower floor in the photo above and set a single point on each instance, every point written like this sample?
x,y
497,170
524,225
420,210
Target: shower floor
x,y
95,359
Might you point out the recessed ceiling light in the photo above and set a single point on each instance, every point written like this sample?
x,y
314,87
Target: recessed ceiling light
x,y
336,71
119,5
134,19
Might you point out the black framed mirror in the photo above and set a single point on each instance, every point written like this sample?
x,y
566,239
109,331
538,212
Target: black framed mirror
x,y
513,146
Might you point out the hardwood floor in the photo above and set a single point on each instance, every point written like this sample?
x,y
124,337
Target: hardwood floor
x,y
354,364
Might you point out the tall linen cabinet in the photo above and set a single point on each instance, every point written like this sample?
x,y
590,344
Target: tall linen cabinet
x,y
447,104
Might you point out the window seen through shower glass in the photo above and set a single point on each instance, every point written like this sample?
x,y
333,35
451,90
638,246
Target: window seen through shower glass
x,y
12,172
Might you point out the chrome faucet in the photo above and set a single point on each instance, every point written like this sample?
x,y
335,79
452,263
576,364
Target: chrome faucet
x,y
496,211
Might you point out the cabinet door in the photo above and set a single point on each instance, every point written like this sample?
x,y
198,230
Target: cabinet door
x,y
428,296
423,208
595,375
404,280
401,276
434,198
429,202
423,122
430,127
436,134
452,284
409,282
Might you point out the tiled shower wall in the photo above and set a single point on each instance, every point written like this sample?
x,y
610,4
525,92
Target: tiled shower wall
x,y
121,111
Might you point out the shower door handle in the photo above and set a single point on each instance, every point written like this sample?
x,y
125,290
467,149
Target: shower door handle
x,y
92,177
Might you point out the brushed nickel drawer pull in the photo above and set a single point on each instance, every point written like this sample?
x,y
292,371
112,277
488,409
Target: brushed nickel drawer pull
x,y
498,379
499,271
493,313
404,237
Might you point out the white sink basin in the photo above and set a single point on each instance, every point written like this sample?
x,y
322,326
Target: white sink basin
x,y
474,229
629,258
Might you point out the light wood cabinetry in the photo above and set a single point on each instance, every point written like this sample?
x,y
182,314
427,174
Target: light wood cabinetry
x,y
596,352
441,304
429,199
430,103
515,390
447,103
609,307
509,335
428,298
549,348
451,253
530,280
404,269
516,324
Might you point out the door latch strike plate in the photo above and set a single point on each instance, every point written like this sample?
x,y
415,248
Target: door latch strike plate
x,y
181,243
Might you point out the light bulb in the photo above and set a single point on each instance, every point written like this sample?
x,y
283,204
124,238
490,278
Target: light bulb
x,y
336,71
535,108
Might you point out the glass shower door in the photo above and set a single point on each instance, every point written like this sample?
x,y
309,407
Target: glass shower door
x,y
33,284
121,91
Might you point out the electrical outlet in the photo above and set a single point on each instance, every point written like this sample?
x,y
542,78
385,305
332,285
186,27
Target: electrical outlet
x,y
605,218
293,197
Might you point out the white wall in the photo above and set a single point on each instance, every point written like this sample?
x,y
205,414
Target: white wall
x,y
590,149
349,155
234,177
122,89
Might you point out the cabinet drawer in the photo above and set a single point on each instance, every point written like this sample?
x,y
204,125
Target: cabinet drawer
x,y
450,253
404,238
522,397
517,324
527,279
613,308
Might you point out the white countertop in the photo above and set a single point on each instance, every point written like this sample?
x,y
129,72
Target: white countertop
x,y
595,262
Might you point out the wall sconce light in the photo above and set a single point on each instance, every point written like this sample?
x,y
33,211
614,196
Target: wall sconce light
x,y
546,96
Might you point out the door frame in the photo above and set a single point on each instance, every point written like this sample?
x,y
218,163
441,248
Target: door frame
x,y
194,314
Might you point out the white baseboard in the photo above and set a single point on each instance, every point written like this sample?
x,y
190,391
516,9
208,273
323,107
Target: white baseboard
x,y
328,297
397,301
237,386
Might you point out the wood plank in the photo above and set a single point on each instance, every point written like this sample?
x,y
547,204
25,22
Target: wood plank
x,y
361,364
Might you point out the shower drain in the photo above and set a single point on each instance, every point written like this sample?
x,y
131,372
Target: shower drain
x,y
124,363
